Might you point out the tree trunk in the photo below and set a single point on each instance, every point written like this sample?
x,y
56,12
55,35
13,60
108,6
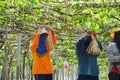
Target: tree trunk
x,y
5,69
18,58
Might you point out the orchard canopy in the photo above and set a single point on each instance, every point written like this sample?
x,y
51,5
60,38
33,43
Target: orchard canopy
x,y
19,20
69,17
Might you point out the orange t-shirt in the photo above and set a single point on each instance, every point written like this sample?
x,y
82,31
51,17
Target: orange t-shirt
x,y
42,65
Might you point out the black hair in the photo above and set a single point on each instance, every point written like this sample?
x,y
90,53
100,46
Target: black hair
x,y
117,39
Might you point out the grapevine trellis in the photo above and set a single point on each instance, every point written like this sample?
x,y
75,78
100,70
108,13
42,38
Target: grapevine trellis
x,y
19,20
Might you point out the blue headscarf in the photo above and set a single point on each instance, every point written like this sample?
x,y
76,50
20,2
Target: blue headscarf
x,y
42,50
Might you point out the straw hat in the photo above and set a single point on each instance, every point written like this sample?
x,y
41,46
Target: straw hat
x,y
113,32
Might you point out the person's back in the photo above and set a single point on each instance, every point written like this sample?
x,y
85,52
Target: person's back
x,y
41,47
114,56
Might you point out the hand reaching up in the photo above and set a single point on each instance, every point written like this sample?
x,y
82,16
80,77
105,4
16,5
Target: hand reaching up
x,y
51,27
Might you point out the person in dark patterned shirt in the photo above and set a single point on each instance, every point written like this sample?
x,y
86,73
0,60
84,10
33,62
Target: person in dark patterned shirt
x,y
114,56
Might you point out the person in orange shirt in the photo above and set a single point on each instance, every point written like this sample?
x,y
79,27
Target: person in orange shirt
x,y
42,45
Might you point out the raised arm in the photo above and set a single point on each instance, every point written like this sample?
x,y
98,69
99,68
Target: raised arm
x,y
53,37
